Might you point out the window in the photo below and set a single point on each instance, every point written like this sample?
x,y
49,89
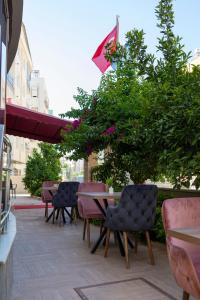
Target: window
x,y
34,91
15,171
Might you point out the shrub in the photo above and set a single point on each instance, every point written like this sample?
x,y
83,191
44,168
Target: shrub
x,y
158,232
44,164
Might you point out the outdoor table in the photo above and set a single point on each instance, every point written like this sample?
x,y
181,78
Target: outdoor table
x,y
190,234
51,189
105,196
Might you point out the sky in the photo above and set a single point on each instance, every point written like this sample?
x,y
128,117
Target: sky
x,y
64,34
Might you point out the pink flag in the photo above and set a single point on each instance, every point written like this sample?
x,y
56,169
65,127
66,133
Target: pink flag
x,y
99,56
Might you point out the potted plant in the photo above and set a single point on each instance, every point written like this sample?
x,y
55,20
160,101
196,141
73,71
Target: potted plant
x,y
109,183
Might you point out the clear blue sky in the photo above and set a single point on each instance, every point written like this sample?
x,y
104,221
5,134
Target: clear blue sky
x,y
63,35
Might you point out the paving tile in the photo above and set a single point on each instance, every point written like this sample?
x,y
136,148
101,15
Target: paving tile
x,y
51,261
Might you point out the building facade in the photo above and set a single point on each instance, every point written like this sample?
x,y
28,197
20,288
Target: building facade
x,y
195,59
25,88
39,97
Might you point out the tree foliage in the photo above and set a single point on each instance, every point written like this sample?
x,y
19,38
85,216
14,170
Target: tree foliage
x,y
145,112
44,164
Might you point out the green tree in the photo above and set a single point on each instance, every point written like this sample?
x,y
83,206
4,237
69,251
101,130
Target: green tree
x,y
174,111
44,164
146,112
111,117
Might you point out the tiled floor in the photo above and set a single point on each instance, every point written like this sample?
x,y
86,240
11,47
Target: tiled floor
x,y
25,200
51,262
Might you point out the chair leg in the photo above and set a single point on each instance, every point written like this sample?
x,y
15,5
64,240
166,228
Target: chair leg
x,y
186,296
101,227
84,229
54,211
150,251
69,215
46,210
57,214
107,243
115,237
74,215
77,213
136,242
63,215
125,236
88,231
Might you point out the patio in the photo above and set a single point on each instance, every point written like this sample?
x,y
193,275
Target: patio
x,y
52,262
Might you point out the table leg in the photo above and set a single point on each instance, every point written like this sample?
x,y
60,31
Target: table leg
x,y
49,217
46,209
105,203
70,216
57,214
54,211
130,244
100,207
51,193
120,244
102,235
63,215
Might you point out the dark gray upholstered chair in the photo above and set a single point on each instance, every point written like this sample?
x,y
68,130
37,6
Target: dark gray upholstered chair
x,y
135,212
65,197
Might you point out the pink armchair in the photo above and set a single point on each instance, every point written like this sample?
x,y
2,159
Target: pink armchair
x,y
87,207
46,195
184,257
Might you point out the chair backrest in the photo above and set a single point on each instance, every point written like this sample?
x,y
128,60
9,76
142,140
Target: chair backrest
x,y
66,194
92,187
180,213
46,196
138,206
88,204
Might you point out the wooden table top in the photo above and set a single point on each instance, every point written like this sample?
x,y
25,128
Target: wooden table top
x,y
191,235
100,195
50,188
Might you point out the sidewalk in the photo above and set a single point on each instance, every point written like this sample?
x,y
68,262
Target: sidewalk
x,y
23,199
53,262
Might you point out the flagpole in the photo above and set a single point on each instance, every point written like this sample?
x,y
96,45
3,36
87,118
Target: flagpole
x,y
117,24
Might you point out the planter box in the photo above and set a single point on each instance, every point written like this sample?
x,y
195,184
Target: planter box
x,y
179,193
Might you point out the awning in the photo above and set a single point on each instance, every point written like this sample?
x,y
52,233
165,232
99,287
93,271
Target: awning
x,y
27,123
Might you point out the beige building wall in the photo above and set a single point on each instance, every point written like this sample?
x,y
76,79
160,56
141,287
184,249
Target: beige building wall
x,y
20,92
195,59
39,96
